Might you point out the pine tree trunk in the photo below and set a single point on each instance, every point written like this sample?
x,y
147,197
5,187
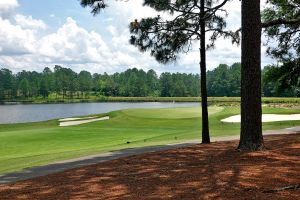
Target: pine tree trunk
x,y
251,112
205,125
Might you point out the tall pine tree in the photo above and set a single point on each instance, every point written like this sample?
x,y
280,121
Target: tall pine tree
x,y
165,38
251,112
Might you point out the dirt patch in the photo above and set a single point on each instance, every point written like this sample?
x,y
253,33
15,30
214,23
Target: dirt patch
x,y
213,171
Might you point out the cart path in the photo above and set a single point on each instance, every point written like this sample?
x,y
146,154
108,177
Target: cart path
x,y
103,157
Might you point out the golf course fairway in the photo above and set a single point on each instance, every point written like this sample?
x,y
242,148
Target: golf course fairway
x,y
34,144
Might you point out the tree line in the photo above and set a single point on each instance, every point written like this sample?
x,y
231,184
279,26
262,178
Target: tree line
x,y
221,81
65,83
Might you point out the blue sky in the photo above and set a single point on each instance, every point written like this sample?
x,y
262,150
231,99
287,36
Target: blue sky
x,y
55,12
35,34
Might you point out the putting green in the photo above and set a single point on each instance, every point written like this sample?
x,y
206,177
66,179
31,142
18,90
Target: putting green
x,y
170,113
35,144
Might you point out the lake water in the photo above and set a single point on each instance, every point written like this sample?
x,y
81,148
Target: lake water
x,y
43,112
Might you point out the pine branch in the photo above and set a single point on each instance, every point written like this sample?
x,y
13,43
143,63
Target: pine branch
x,y
276,22
280,22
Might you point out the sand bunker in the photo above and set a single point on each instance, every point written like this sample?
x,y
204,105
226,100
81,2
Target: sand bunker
x,y
265,118
84,121
76,118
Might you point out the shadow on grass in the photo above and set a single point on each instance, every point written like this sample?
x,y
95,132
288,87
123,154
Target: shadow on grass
x,y
34,172
214,171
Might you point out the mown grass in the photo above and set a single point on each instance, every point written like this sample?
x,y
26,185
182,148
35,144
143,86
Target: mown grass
x,y
33,144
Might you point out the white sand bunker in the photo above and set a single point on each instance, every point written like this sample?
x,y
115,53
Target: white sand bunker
x,y
75,122
76,118
265,118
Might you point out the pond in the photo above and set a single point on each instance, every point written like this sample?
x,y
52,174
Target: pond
x,y
42,112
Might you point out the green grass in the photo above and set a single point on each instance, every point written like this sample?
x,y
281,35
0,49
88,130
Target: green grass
x,y
169,113
33,144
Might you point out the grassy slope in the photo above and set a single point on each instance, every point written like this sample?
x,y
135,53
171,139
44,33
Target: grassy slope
x,y
31,144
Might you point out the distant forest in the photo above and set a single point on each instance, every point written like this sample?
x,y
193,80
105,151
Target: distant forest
x,y
65,83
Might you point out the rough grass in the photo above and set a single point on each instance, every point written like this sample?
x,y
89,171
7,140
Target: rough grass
x,y
32,144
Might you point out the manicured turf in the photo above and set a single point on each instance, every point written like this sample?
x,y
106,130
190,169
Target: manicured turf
x,y
32,144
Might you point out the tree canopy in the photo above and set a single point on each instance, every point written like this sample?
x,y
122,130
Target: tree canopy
x,y
96,5
224,80
166,38
282,23
282,80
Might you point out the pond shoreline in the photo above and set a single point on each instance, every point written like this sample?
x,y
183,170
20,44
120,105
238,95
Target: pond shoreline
x,y
211,100
107,99
23,113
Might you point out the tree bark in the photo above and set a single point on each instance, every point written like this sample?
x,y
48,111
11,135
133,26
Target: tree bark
x,y
205,124
251,137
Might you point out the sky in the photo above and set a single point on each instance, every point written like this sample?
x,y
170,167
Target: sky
x,y
35,34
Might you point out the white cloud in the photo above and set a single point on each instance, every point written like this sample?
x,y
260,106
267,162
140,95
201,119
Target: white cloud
x,y
14,40
71,45
24,43
129,10
74,44
29,22
108,19
224,52
112,29
7,7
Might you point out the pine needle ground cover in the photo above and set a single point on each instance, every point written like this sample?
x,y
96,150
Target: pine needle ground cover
x,y
214,171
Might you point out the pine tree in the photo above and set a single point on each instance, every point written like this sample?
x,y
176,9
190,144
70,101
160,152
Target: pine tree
x,y
165,39
251,111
